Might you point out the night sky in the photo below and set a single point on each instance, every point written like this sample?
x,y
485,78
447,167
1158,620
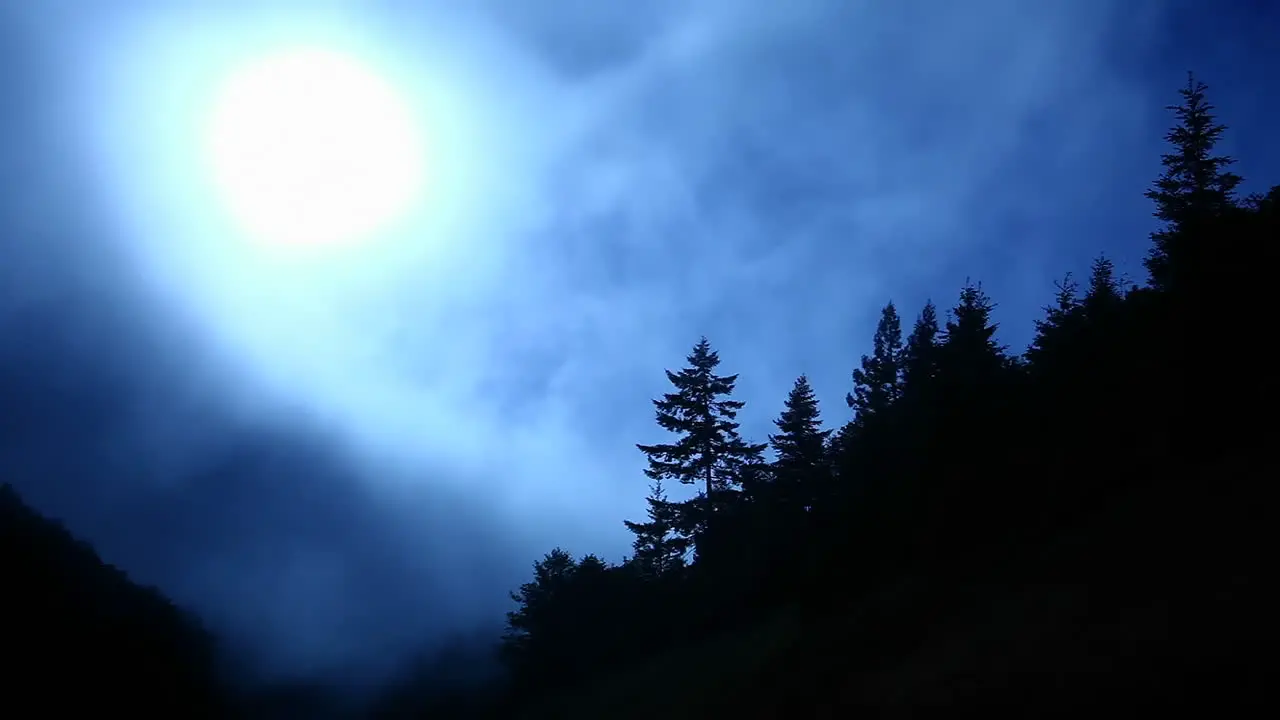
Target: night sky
x,y
336,458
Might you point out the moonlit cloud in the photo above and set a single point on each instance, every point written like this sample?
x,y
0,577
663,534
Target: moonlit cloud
x,y
419,416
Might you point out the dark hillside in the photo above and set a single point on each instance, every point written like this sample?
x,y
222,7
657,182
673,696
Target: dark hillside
x,y
79,634
1105,614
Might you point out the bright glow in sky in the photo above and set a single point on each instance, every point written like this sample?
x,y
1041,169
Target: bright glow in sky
x,y
310,148
343,208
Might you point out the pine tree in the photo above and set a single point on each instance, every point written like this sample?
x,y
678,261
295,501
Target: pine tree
x,y
658,549
970,354
1054,332
1104,293
800,456
710,450
1195,187
920,354
878,383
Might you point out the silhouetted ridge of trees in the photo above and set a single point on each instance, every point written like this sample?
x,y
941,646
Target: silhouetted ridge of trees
x,y
1118,454
78,635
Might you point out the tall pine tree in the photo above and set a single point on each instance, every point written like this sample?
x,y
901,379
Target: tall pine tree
x,y
800,459
709,451
920,354
877,384
970,355
1195,188
1049,349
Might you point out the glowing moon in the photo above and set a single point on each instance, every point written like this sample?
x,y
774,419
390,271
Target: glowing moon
x,y
312,149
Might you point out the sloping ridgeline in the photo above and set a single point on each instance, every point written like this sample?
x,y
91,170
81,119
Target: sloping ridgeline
x,y
77,635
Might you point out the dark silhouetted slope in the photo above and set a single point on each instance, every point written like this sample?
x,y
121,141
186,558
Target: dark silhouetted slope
x,y
79,636
1126,609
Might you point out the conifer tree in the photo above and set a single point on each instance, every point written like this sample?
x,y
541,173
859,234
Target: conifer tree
x,y
538,615
800,456
1104,293
919,356
709,451
877,384
658,549
1195,187
969,351
1055,330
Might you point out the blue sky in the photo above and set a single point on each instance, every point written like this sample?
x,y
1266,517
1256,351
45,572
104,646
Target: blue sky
x,y
333,461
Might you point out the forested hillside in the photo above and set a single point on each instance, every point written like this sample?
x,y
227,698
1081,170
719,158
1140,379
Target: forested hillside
x,y
78,635
1075,523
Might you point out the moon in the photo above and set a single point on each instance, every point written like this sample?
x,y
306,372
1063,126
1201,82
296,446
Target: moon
x,y
312,149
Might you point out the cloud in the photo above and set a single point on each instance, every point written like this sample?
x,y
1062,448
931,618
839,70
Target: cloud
x,y
751,166
331,460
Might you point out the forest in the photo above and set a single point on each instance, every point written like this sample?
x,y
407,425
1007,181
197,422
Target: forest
x,y
1074,524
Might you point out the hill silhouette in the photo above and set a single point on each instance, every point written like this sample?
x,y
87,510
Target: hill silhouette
x,y
78,633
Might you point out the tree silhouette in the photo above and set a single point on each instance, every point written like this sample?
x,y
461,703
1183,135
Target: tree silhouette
x,y
800,457
709,450
536,612
1195,188
1058,328
863,444
1104,294
920,354
877,383
969,354
658,549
